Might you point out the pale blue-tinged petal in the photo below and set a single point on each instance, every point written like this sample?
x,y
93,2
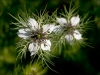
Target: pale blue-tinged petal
x,y
57,29
69,38
48,28
33,48
46,45
23,33
75,20
24,30
33,24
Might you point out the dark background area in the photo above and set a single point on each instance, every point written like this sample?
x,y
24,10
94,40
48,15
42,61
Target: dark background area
x,y
85,61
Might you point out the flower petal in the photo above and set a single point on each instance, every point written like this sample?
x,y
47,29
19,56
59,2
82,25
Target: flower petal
x,y
23,33
48,28
61,21
46,45
33,24
33,48
69,38
26,30
77,35
75,20
57,29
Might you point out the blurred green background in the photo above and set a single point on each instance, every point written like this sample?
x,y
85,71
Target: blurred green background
x,y
86,61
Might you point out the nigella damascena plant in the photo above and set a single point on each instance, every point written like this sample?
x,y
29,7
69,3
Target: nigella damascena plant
x,y
69,28
37,34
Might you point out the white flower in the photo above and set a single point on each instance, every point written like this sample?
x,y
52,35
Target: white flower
x,y
38,35
73,32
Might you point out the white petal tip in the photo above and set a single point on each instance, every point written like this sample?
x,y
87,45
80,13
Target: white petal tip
x,y
75,20
61,21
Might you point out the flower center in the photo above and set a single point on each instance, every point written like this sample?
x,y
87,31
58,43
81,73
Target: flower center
x,y
69,28
38,35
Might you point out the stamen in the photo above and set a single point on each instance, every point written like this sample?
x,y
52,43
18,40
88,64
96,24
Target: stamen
x,y
48,31
38,35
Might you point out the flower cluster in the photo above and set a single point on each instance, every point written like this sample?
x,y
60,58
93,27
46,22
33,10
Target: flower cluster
x,y
44,36
39,34
44,32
